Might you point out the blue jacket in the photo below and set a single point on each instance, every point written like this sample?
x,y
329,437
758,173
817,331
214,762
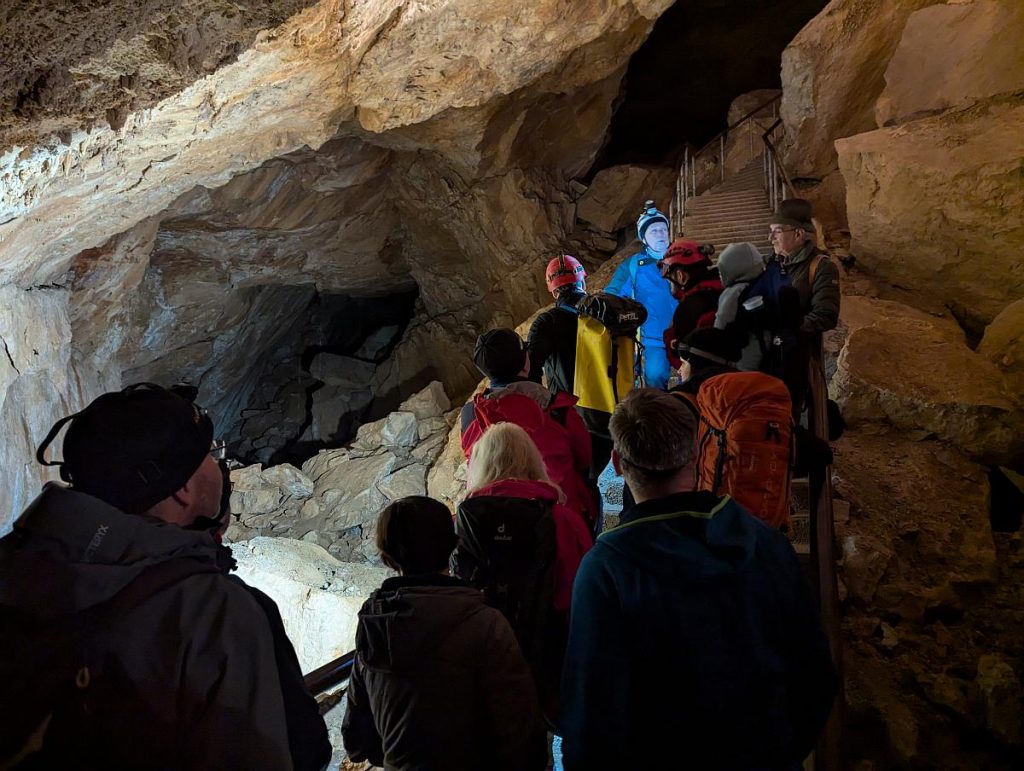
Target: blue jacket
x,y
693,643
639,279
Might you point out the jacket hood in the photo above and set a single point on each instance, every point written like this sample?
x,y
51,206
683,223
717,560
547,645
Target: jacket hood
x,y
410,617
692,538
91,551
538,393
519,488
740,262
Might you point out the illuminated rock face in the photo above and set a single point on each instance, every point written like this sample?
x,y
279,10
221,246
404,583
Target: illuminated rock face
x,y
353,150
936,205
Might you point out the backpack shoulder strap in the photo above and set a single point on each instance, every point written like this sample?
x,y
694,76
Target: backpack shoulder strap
x,y
689,400
813,269
633,267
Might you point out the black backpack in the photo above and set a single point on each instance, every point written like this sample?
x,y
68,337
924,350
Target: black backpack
x,y
507,549
622,316
52,670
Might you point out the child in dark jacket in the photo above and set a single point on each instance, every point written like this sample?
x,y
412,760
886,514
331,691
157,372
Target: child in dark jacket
x,y
438,679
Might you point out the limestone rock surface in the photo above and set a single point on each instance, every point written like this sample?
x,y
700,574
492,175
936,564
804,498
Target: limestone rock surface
x,y
951,55
930,593
832,73
241,177
338,370
67,65
429,404
918,377
918,528
38,386
1003,344
373,65
336,498
937,205
616,194
743,143
1001,692
318,596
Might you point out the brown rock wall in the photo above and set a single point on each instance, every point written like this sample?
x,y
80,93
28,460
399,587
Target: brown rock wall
x,y
936,205
932,613
917,376
1003,344
952,55
832,74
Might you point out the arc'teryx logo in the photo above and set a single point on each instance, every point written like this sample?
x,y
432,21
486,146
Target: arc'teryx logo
x,y
94,543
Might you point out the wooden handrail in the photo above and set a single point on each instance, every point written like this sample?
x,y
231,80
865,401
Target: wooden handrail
x,y
823,563
330,675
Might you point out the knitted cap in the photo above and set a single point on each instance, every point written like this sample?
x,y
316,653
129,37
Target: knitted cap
x,y
132,448
648,217
499,354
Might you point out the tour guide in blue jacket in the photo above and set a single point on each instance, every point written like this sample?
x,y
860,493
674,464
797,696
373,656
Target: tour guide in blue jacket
x,y
638,278
693,643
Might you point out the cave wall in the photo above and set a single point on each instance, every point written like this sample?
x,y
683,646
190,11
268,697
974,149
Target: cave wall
x,y
903,127
935,194
338,153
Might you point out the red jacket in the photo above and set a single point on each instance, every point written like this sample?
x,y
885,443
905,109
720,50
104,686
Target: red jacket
x,y
574,539
555,427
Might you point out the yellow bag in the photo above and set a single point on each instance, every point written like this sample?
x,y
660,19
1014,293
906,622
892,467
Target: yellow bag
x,y
604,366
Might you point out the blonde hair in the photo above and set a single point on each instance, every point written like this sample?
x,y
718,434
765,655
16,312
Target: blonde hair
x,y
505,451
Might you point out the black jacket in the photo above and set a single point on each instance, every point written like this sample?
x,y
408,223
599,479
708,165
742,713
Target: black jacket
x,y
439,683
200,675
552,344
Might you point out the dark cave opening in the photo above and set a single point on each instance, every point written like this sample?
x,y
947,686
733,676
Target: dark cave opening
x,y
668,99
321,385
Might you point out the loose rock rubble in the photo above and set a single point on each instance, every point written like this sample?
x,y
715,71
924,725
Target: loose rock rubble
x,y
334,500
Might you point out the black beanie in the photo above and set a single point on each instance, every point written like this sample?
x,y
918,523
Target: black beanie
x,y
713,345
133,448
499,354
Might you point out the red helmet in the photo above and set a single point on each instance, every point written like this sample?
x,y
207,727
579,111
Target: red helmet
x,y
683,252
563,270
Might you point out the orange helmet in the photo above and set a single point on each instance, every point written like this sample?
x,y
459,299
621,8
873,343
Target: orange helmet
x,y
563,270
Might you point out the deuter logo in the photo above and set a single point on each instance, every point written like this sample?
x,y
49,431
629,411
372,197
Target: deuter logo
x,y
500,536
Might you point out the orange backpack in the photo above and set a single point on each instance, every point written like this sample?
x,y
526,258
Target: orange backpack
x,y
744,447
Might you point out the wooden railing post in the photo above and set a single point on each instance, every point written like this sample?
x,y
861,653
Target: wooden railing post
x,y
827,756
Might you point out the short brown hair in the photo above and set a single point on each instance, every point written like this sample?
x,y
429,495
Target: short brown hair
x,y
652,433
416,534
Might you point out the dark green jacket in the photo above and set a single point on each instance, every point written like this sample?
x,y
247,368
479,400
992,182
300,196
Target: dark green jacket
x,y
201,674
820,301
